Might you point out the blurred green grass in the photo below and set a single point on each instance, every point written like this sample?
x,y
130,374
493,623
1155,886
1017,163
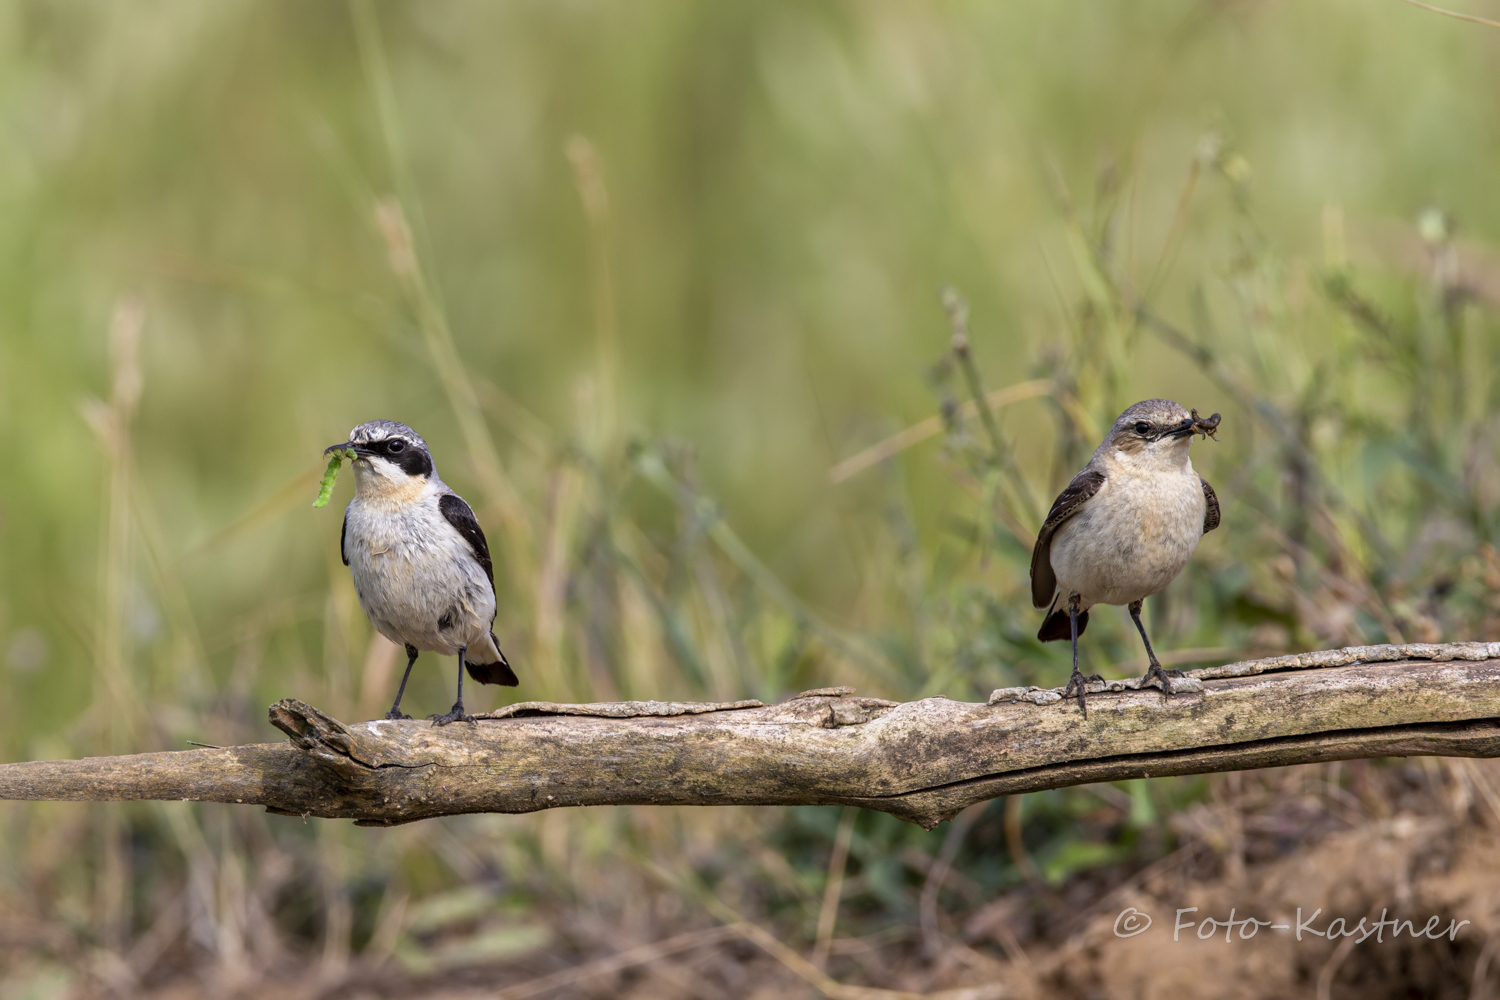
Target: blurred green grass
x,y
666,265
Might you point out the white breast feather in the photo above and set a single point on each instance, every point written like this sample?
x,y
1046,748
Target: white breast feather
x,y
412,570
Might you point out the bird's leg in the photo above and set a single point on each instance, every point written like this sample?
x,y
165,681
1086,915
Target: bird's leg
x,y
411,659
1155,675
1077,679
456,713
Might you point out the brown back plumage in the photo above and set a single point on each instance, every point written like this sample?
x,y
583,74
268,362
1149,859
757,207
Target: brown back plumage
x,y
1211,512
1043,579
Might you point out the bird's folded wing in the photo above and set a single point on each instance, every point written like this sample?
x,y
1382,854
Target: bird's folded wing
x,y
1043,580
1211,512
462,518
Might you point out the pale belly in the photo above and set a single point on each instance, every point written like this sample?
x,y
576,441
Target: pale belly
x,y
1130,540
430,594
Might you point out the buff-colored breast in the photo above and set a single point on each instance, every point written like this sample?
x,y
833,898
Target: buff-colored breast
x,y
1131,538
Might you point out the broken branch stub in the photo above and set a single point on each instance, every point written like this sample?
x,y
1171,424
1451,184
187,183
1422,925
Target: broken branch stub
x,y
922,761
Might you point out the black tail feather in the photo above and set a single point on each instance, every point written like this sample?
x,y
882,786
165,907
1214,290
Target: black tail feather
x,y
1057,626
493,673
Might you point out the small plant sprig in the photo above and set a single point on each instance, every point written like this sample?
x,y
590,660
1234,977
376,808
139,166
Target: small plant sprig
x,y
331,475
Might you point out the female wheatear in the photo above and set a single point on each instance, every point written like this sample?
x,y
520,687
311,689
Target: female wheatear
x,y
1124,528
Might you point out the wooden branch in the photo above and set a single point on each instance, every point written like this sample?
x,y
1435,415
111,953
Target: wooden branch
x,y
922,761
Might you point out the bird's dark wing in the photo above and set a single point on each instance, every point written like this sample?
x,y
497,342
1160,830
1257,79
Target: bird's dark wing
x,y
1043,580
461,517
343,534
1211,512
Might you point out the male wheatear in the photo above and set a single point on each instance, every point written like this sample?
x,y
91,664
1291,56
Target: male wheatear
x,y
420,564
1124,528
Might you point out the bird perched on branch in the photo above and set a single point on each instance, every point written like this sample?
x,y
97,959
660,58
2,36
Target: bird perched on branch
x,y
1124,528
420,563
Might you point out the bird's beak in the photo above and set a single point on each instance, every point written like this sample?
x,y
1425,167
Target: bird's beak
x,y
345,446
1184,429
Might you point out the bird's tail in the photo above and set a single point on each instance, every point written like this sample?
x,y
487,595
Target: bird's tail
x,y
487,665
1056,625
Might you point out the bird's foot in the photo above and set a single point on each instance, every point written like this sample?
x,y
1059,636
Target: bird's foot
x,y
455,714
1079,680
1157,677
396,716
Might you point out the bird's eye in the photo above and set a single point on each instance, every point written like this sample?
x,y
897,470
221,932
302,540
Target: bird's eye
x,y
395,447
1141,427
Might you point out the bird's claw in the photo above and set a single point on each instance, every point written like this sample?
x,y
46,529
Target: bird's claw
x,y
1079,680
395,716
1159,678
455,714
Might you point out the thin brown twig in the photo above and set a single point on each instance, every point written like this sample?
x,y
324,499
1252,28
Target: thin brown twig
x,y
834,889
1014,843
1350,590
1486,790
163,932
588,177
1479,987
1454,13
1001,450
772,945
977,491
933,426
1331,967
618,962
932,940
1177,228
1158,867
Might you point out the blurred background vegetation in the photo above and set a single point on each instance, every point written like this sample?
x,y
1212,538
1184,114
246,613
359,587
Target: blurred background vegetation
x,y
671,289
